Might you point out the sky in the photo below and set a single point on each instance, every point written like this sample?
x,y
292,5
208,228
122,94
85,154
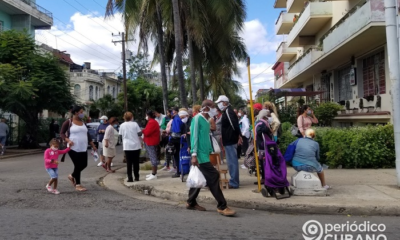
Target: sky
x,y
80,29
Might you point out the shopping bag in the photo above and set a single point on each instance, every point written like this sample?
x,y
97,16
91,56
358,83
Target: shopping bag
x,y
195,179
95,155
290,150
215,145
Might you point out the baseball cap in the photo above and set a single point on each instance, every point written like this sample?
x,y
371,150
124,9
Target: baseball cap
x,y
222,98
104,118
257,106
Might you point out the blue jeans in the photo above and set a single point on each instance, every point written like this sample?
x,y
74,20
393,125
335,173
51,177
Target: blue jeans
x,y
53,172
233,164
3,140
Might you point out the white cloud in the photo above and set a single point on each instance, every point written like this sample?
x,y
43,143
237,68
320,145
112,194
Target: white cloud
x,y
89,38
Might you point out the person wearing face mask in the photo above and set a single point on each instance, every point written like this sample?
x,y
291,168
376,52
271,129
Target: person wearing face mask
x,y
263,132
231,137
273,119
75,133
151,139
100,135
178,129
244,124
201,149
109,142
305,119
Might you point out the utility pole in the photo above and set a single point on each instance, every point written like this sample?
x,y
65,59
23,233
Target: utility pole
x,y
123,40
392,18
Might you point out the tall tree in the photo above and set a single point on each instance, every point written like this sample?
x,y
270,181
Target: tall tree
x,y
179,52
30,82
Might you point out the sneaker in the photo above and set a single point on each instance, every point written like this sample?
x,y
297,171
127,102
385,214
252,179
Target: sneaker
x,y
226,212
152,177
100,163
149,175
172,170
55,191
196,207
243,166
112,164
327,187
49,188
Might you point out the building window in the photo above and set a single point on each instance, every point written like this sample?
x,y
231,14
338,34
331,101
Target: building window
x,y
108,90
113,92
325,87
90,92
374,74
345,89
96,93
77,90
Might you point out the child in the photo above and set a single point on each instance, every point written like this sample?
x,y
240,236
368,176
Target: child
x,y
51,164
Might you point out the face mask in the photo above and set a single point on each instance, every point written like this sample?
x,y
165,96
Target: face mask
x,y
270,120
213,112
309,112
147,118
221,106
102,121
239,114
81,115
184,120
115,125
54,148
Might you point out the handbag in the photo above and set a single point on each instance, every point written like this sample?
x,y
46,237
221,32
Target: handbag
x,y
214,144
295,130
290,150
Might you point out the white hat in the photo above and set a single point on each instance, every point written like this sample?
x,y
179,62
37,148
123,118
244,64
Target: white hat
x,y
104,118
183,113
222,98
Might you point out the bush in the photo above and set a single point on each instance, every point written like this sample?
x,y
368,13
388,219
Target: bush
x,y
356,147
326,112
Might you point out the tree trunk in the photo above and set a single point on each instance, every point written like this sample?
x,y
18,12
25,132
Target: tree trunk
x,y
192,69
30,139
160,38
202,94
179,52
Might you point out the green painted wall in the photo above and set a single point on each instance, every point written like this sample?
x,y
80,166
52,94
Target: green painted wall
x,y
6,19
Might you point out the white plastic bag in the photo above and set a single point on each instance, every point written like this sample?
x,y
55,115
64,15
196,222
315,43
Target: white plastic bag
x,y
215,145
95,155
195,179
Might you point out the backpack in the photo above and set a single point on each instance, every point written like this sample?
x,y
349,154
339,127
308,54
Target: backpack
x,y
290,150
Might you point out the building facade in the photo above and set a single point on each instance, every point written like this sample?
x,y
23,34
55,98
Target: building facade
x,y
338,47
24,15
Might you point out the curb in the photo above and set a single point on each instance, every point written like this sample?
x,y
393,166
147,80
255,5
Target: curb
x,y
21,154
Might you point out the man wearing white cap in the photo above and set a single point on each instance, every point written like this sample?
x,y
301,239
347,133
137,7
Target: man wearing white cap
x,y
231,137
100,135
178,128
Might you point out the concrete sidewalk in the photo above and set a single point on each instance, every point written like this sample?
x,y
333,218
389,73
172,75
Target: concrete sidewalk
x,y
354,192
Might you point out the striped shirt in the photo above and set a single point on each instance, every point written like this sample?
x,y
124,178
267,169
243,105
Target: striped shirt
x,y
200,138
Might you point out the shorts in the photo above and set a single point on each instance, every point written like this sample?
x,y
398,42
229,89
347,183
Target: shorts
x,y
100,148
53,172
3,140
308,168
109,152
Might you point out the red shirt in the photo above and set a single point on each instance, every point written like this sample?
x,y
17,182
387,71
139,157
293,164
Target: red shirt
x,y
151,133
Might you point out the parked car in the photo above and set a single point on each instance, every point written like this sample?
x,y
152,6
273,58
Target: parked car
x,y
92,128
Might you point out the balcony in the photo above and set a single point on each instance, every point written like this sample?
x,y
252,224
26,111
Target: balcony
x,y
280,4
309,23
40,18
284,23
295,6
367,13
281,81
284,53
304,62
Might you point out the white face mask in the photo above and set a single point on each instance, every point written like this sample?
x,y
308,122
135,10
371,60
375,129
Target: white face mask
x,y
239,114
147,118
184,120
270,120
54,148
212,112
221,106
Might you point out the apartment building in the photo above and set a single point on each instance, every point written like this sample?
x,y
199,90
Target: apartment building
x,y
338,47
24,15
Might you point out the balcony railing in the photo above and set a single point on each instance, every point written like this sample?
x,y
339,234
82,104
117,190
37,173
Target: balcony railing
x,y
280,81
304,62
284,23
295,6
284,53
38,7
364,13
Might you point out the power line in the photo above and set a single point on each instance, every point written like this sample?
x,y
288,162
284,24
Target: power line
x,y
89,18
98,4
95,14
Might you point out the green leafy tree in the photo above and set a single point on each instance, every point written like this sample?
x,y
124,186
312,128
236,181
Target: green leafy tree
x,y
326,112
30,82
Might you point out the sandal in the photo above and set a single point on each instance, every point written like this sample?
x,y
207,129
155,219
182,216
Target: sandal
x,y
110,171
72,180
79,188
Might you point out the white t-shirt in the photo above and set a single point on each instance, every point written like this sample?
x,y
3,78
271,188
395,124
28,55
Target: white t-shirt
x,y
110,136
130,138
78,135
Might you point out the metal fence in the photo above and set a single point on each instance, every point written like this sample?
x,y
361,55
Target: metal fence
x,y
39,8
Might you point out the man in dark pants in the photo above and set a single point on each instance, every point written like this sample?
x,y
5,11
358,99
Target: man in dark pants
x,y
201,149
178,129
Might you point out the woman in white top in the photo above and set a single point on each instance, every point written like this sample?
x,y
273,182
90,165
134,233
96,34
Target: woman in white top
x,y
75,133
131,132
109,142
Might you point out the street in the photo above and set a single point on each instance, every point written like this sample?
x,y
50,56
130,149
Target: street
x,y
28,211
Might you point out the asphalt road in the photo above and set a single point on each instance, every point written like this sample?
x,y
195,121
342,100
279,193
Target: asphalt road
x,y
28,211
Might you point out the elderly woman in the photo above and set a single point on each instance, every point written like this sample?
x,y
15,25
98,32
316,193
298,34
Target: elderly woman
x,y
306,156
275,123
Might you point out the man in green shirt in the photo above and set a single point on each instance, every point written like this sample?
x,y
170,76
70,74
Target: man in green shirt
x,y
201,149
